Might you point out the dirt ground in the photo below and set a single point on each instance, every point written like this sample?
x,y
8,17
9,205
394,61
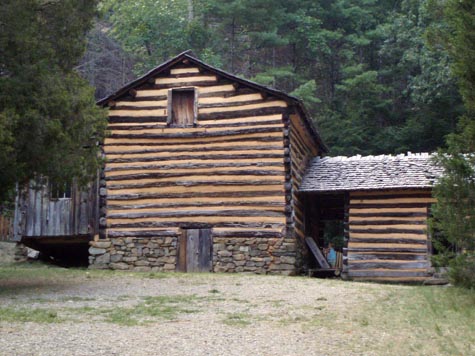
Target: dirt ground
x,y
46,311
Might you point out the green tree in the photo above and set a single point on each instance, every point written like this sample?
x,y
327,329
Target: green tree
x,y
49,123
454,213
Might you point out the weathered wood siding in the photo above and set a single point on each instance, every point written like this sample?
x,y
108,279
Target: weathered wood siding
x,y
388,237
6,230
302,149
226,172
37,215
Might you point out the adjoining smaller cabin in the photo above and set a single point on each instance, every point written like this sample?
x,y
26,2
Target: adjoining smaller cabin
x,y
374,210
58,221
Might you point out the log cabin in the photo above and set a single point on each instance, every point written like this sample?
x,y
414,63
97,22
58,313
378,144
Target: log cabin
x,y
202,173
383,204
205,171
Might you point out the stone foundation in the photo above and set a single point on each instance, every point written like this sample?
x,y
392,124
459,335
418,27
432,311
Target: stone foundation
x,y
145,254
248,255
255,255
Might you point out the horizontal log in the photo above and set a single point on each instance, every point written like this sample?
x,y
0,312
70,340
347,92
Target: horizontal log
x,y
197,154
129,119
226,88
198,200
216,163
190,213
241,113
266,221
237,183
378,273
191,166
178,224
388,231
240,124
243,194
388,222
189,83
384,206
138,113
389,256
245,106
143,233
392,241
170,173
189,173
208,124
131,107
230,99
233,104
187,80
386,249
147,93
388,210
185,70
270,204
272,136
250,234
389,265
390,214
185,146
261,130
192,130
204,157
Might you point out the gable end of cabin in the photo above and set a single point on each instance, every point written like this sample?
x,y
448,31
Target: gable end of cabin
x,y
201,174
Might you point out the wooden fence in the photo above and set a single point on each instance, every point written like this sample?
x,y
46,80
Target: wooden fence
x,y
6,231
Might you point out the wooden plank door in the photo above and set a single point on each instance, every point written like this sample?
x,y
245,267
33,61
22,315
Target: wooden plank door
x,y
196,251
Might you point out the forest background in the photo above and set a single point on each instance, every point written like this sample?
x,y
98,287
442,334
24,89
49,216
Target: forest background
x,y
371,77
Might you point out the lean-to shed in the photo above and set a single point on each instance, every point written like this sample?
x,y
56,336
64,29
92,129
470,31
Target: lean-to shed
x,y
202,172
384,202
58,221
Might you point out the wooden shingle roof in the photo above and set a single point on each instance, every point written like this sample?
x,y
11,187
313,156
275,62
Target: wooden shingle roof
x,y
403,171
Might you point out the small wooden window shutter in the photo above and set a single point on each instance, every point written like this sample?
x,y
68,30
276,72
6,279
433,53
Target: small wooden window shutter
x,y
182,107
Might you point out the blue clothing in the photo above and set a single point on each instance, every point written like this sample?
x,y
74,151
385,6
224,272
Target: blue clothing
x,y
331,257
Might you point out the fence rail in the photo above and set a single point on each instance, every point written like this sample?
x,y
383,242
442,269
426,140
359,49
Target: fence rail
x,y
6,228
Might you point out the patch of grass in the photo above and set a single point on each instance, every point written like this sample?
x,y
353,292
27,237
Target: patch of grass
x,y
150,310
36,315
157,275
238,319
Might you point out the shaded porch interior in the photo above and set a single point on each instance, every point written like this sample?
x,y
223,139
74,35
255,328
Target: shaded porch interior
x,y
326,223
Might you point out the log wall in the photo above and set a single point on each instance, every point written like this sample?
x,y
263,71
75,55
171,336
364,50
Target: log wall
x,y
388,238
302,149
230,171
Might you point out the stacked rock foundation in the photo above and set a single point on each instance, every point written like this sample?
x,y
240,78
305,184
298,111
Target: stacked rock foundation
x,y
243,255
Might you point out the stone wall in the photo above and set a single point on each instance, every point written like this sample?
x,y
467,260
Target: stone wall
x,y
143,254
249,255
255,255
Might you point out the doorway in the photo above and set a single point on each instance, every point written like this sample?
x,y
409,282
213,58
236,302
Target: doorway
x,y
195,251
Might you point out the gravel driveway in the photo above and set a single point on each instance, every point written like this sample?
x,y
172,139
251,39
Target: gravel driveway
x,y
102,313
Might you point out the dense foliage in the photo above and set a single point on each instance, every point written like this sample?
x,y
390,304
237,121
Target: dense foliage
x,y
363,67
455,212
49,123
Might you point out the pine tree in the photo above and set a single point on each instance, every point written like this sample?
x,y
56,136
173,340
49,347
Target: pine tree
x,y
49,123
454,214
